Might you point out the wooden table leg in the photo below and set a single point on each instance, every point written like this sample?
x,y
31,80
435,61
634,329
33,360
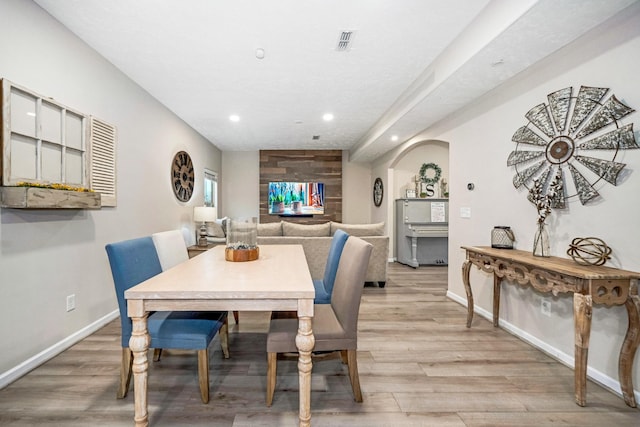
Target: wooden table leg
x,y
496,299
582,309
305,342
139,344
466,267
628,350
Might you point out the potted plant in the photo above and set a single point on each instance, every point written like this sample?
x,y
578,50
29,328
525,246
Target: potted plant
x,y
296,203
277,203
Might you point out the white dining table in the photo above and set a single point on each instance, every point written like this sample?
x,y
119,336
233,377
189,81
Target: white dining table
x,y
279,280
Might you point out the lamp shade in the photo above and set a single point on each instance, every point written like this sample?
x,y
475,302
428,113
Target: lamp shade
x,y
204,214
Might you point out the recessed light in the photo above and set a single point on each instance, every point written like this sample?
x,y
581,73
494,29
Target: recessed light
x,y
260,53
327,117
394,138
234,118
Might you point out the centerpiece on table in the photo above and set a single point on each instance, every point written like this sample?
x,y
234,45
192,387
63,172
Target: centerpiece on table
x,y
242,238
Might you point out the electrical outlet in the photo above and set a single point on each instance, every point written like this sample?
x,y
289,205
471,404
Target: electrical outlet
x,y
71,302
545,306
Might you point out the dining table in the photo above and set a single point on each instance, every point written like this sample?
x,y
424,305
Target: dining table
x,y
279,280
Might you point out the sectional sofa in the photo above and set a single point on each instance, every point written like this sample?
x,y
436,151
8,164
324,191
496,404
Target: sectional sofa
x,y
316,240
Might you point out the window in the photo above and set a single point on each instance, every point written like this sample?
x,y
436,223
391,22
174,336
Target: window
x,y
210,188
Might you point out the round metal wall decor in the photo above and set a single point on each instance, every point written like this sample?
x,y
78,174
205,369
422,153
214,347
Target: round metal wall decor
x,y
568,136
378,192
182,176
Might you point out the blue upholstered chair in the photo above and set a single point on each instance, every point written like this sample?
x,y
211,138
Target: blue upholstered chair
x,y
132,262
324,286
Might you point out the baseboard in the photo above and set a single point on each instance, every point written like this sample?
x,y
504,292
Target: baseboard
x,y
564,358
13,374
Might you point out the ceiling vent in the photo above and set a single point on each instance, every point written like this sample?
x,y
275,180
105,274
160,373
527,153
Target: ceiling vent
x,y
345,41
315,137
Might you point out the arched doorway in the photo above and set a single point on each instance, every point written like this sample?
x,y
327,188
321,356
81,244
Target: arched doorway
x,y
404,170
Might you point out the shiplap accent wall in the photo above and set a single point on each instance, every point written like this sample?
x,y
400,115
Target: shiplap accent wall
x,y
303,166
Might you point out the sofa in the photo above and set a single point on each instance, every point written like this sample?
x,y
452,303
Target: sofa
x,y
316,241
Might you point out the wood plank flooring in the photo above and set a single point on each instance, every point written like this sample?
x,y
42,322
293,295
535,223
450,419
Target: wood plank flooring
x,y
419,366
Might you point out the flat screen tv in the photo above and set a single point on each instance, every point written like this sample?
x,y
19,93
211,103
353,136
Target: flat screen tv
x,y
296,198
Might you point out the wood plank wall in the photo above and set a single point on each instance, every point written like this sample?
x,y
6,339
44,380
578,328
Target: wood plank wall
x,y
303,166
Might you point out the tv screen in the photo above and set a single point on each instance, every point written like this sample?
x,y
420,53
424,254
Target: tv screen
x,y
296,198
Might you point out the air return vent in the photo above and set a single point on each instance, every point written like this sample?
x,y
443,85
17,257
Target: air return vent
x,y
345,41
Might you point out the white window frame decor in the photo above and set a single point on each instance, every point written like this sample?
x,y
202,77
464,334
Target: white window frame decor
x,y
44,142
47,146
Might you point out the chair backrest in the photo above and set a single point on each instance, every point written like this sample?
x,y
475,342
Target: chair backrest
x,y
333,259
171,248
349,283
132,262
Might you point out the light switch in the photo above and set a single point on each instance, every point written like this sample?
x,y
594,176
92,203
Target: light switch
x,y
465,212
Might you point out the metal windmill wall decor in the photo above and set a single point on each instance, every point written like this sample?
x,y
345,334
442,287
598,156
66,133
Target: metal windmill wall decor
x,y
571,133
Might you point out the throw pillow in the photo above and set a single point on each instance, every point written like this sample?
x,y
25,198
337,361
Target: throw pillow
x,y
270,229
214,229
306,230
359,230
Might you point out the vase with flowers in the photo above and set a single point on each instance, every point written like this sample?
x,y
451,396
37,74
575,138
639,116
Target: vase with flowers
x,y
544,202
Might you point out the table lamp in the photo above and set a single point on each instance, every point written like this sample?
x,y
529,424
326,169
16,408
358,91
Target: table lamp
x,y
204,214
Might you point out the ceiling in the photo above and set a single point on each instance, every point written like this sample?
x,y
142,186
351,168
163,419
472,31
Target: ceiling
x,y
409,63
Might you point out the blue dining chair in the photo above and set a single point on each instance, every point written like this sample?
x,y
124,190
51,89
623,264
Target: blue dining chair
x,y
132,262
324,286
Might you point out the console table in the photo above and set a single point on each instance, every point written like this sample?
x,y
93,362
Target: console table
x,y
589,285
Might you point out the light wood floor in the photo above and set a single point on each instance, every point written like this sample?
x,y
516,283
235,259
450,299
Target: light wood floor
x,y
419,366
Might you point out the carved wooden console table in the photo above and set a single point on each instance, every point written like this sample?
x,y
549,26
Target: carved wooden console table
x,y
589,285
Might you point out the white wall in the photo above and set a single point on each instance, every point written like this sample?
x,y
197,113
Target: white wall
x,y
357,191
49,254
240,187
480,142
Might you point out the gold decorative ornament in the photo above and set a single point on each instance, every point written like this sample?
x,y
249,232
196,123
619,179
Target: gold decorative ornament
x,y
589,251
